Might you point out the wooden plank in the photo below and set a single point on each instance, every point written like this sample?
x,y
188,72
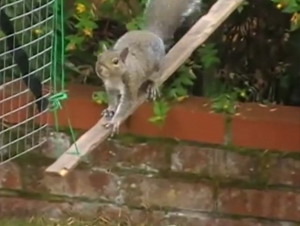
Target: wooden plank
x,y
175,57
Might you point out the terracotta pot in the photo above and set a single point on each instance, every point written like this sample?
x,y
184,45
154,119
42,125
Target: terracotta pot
x,y
253,126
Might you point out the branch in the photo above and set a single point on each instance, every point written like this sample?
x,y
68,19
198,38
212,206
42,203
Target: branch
x,y
173,60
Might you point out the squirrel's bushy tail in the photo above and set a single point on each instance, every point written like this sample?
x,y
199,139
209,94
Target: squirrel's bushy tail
x,y
163,17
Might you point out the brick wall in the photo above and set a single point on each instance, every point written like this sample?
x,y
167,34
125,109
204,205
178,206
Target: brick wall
x,y
160,182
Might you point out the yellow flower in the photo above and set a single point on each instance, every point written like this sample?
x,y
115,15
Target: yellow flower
x,y
295,18
71,46
88,32
243,94
279,6
80,8
37,31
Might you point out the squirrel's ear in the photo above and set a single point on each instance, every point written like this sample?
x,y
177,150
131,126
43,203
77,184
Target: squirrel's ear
x,y
124,54
104,47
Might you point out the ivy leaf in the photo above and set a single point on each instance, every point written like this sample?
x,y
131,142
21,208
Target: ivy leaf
x,y
209,55
187,81
99,97
155,119
160,109
291,7
156,108
135,24
180,91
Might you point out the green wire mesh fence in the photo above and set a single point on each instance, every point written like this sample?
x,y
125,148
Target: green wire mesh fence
x,y
33,28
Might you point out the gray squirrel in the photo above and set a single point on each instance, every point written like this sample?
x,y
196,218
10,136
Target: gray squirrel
x,y
136,57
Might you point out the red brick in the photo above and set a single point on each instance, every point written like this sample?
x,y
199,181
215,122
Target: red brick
x,y
268,204
18,207
212,162
10,176
284,171
234,165
149,157
190,219
270,127
193,159
79,183
147,191
182,122
264,134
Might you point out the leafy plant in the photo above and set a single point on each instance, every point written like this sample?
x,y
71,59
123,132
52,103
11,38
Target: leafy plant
x,y
83,25
160,110
135,24
290,7
209,56
100,97
178,89
251,57
227,102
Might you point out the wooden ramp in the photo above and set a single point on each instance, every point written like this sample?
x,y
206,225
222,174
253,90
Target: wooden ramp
x,y
175,57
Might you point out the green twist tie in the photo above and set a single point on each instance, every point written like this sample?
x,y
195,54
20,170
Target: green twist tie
x,y
56,99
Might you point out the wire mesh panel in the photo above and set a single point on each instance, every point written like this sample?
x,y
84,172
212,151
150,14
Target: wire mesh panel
x,y
31,23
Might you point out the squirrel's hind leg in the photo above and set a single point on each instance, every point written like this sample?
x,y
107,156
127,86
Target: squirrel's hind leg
x,y
153,91
152,87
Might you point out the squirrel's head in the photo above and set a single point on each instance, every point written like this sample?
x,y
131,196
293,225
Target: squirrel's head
x,y
111,63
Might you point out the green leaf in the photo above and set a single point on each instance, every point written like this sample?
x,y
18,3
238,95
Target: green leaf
x,y
291,7
180,91
99,97
156,108
155,119
187,81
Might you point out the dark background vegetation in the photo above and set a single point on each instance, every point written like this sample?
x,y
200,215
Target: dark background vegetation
x,y
253,56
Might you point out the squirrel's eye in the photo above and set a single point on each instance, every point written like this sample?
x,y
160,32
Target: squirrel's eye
x,y
115,61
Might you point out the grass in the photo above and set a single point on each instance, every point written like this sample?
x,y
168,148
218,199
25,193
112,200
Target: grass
x,y
67,222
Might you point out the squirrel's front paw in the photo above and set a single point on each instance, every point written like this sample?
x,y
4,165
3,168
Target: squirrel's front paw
x,y
153,92
114,124
107,113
